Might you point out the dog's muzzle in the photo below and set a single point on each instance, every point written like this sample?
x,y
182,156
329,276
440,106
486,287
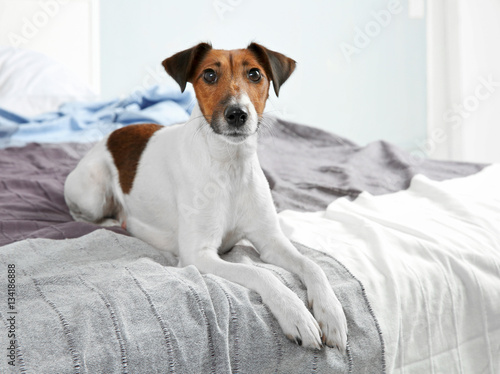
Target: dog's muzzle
x,y
235,123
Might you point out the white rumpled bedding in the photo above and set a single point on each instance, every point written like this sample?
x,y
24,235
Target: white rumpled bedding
x,y
429,258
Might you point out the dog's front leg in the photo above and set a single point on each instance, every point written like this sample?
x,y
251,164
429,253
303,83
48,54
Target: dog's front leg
x,y
275,248
296,321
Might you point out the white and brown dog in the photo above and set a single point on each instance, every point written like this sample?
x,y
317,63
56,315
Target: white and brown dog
x,y
150,179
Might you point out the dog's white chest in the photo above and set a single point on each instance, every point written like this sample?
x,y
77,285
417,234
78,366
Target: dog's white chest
x,y
221,202
208,192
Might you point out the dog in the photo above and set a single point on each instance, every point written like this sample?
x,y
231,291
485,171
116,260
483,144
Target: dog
x,y
197,189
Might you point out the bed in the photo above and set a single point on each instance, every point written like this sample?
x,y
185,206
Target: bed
x,y
411,248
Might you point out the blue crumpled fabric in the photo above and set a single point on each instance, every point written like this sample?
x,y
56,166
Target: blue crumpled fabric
x,y
91,121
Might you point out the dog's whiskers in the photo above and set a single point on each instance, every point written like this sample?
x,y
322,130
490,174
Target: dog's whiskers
x,y
200,128
267,128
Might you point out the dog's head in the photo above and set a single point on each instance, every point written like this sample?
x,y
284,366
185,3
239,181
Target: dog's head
x,y
231,86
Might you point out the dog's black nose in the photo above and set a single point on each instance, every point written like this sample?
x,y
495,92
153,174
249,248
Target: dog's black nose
x,y
235,116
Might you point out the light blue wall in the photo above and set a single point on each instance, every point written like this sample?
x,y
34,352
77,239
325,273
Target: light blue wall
x,y
379,94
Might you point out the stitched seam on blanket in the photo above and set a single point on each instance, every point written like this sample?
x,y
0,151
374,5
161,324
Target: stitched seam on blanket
x,y
365,297
114,320
349,357
278,343
314,368
164,329
65,325
234,321
279,349
193,292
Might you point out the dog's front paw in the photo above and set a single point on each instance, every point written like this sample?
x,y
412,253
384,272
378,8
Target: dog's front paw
x,y
331,318
302,329
297,322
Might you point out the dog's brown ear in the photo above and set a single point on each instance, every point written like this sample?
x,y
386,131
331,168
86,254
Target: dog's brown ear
x,y
182,65
277,66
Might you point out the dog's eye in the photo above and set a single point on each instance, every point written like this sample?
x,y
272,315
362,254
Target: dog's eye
x,y
210,76
254,75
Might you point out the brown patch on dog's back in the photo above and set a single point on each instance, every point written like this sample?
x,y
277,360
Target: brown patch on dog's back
x,y
126,146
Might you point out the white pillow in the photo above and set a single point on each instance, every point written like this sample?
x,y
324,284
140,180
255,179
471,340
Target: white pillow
x,y
31,83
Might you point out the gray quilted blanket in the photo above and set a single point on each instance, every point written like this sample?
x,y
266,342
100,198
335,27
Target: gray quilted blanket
x,y
108,303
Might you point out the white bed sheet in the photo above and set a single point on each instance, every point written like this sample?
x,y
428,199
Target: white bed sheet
x,y
429,258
